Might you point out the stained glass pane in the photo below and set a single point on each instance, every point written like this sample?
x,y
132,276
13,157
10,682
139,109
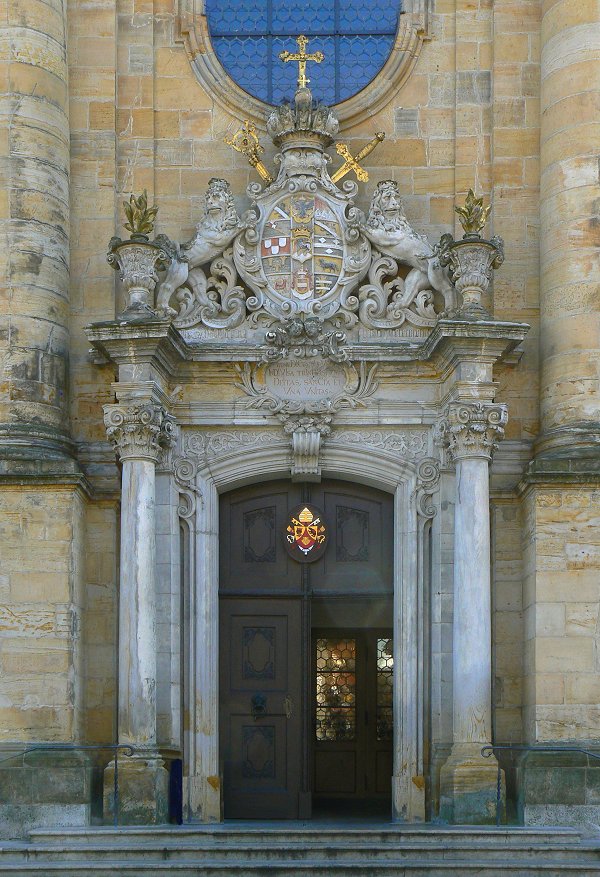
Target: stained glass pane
x,y
303,16
336,689
355,37
385,688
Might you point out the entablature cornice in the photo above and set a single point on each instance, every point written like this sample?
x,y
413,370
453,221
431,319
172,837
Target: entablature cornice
x,y
156,344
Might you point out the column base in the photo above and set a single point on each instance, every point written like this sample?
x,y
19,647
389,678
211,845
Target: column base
x,y
468,787
203,796
143,791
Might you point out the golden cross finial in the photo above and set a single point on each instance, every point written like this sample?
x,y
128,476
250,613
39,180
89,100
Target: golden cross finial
x,y
301,57
351,162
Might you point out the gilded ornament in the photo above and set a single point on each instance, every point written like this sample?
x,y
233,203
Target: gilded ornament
x,y
245,140
352,163
140,217
473,216
301,57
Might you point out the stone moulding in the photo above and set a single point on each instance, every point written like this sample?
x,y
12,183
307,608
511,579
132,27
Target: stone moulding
x,y
412,33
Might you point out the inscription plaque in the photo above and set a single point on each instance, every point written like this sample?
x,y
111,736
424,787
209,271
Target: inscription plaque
x,y
307,379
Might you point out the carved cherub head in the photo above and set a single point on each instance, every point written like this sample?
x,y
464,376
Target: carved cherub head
x,y
219,206
386,210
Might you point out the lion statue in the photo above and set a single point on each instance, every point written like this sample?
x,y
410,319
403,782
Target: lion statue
x,y
390,232
214,233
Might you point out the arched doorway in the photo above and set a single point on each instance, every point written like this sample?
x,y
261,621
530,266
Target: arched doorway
x,y
306,656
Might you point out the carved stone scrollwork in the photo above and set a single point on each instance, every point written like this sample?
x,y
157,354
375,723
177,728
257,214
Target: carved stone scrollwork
x,y
409,444
139,432
184,472
428,482
473,429
303,338
317,388
388,304
305,394
216,301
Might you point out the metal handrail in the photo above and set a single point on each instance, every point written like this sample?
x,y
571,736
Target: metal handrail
x,y
128,750
489,750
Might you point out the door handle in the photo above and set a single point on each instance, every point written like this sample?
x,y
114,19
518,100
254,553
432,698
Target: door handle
x,y
259,707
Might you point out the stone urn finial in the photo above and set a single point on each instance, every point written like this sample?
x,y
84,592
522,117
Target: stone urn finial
x,y
472,258
138,258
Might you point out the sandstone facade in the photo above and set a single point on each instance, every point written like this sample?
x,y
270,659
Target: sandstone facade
x,y
108,98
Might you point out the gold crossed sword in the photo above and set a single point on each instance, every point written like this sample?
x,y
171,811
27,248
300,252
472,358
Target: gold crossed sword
x,y
352,163
245,139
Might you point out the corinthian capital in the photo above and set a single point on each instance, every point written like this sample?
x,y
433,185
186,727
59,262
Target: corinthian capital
x,y
139,432
473,429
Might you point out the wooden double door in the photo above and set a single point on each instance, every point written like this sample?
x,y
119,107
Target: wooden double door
x,y
306,664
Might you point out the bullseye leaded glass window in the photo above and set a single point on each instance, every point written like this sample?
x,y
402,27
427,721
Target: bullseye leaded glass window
x,y
385,689
336,689
355,36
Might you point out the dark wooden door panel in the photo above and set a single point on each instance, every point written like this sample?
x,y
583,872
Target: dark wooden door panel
x,y
252,551
261,697
359,557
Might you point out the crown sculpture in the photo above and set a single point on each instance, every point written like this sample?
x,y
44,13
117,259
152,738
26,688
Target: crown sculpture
x,y
303,251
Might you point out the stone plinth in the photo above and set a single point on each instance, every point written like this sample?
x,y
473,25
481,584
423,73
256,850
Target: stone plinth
x,y
142,789
42,789
468,787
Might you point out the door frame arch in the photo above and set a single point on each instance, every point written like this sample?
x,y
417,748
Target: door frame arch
x,y
199,480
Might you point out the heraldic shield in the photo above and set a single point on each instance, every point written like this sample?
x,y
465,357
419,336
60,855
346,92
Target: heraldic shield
x,y
306,533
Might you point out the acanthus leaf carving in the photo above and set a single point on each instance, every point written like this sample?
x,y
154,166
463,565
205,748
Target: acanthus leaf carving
x,y
140,431
473,429
410,444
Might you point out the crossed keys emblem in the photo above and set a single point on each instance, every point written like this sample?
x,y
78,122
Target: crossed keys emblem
x,y
306,530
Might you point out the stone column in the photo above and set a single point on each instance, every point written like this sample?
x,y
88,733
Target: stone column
x,y
139,433
34,222
570,223
468,781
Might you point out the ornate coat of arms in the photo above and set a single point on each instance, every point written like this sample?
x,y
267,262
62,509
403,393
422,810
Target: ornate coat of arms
x,y
303,249
306,533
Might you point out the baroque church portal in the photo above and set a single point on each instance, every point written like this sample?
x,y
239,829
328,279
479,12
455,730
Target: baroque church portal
x,y
299,483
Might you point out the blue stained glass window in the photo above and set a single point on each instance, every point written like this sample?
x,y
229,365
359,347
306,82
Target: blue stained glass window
x,y
356,37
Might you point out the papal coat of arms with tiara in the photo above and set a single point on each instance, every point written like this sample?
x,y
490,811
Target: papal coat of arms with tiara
x,y
306,533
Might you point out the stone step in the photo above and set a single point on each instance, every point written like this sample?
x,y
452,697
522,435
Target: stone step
x,y
479,867
226,851
290,834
